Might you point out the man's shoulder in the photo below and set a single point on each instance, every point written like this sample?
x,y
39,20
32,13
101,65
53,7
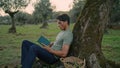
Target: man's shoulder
x,y
68,34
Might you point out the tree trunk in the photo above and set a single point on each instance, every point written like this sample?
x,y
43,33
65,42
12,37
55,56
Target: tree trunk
x,y
44,25
13,28
88,32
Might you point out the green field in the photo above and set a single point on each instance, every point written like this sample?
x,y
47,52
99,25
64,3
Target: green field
x,y
10,44
111,45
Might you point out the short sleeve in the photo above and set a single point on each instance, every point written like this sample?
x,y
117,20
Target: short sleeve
x,y
67,38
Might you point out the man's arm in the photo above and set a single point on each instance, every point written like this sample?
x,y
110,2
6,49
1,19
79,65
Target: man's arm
x,y
51,44
62,53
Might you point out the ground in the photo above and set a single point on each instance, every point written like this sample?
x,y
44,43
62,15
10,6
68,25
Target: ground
x,y
10,44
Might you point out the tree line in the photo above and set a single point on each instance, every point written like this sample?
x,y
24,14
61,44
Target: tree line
x,y
44,12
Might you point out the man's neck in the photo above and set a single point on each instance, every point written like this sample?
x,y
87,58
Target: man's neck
x,y
67,27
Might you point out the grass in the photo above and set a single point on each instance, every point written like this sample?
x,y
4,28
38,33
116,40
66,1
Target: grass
x,y
10,44
111,45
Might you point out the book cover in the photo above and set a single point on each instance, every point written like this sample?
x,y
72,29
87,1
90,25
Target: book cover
x,y
44,41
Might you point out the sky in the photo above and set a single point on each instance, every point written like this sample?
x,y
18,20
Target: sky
x,y
61,5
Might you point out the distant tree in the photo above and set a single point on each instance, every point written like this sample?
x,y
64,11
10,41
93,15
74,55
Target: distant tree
x,y
76,10
4,20
114,21
55,14
115,12
12,7
23,18
43,12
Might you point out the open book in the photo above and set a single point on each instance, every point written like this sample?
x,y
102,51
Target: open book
x,y
43,41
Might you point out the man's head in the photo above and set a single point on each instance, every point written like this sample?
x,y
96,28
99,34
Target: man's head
x,y
63,21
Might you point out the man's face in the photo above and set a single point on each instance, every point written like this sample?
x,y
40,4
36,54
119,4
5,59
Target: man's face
x,y
62,24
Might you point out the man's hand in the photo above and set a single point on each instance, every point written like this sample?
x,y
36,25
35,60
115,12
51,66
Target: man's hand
x,y
51,44
48,49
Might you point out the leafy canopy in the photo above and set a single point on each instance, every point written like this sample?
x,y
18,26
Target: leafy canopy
x,y
13,5
43,10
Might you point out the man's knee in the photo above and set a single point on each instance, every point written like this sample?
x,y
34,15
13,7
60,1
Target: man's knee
x,y
24,41
33,47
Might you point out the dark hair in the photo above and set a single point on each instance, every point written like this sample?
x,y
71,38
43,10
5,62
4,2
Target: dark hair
x,y
64,17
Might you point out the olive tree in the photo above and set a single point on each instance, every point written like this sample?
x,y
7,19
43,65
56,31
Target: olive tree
x,y
43,12
12,7
88,33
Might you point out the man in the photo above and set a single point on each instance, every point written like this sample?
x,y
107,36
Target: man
x,y
48,54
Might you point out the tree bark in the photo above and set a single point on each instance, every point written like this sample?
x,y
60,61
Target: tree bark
x,y
45,23
13,28
88,32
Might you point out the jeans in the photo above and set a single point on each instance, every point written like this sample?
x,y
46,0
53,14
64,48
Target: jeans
x,y
30,51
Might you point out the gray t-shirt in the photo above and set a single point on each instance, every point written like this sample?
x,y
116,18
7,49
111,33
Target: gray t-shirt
x,y
63,38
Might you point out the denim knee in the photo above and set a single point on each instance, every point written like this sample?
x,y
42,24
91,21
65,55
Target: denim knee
x,y
33,47
24,41
25,44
